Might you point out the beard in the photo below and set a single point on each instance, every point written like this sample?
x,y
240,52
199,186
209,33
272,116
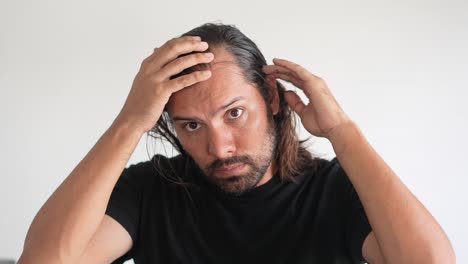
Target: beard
x,y
257,166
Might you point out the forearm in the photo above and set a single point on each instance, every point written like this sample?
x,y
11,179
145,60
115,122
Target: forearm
x,y
405,230
65,224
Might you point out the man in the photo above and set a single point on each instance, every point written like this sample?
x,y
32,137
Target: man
x,y
243,189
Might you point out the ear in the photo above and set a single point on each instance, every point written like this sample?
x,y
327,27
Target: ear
x,y
273,95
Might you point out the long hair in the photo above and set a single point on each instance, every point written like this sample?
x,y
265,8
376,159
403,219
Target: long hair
x,y
291,156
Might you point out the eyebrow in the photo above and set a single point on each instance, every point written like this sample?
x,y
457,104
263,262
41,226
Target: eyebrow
x,y
221,108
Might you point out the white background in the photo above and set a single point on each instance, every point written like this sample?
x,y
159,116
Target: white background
x,y
398,68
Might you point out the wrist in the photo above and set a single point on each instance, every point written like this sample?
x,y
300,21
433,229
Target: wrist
x,y
344,136
123,126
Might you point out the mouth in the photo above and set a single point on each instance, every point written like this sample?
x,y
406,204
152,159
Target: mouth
x,y
229,170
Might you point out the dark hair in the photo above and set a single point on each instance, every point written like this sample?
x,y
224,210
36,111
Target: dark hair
x,y
291,157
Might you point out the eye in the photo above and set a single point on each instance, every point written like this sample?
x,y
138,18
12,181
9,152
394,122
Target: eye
x,y
235,113
191,126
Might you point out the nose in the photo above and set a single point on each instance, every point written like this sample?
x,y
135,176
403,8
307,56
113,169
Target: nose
x,y
221,143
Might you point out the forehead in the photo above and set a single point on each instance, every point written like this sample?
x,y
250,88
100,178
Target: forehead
x,y
226,82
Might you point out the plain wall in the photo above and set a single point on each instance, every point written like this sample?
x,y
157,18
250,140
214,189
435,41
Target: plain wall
x,y
398,68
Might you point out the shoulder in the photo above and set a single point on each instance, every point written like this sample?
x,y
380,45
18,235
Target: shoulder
x,y
332,169
170,171
158,164
327,176
325,168
145,172
332,166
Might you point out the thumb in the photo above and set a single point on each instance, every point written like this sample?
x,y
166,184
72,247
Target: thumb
x,y
295,102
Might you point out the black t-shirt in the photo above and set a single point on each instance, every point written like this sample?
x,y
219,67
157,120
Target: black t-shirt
x,y
319,219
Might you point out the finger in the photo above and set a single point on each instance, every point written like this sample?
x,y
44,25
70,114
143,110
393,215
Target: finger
x,y
195,37
270,69
270,81
176,47
173,49
288,78
152,55
178,65
187,80
274,68
301,72
295,102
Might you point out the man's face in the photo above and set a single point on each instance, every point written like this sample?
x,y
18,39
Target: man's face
x,y
223,124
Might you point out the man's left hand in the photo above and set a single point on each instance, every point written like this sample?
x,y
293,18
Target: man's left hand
x,y
322,114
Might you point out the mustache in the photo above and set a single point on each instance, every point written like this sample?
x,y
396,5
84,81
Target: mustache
x,y
218,163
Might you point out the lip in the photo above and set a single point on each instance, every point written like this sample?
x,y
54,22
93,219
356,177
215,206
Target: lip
x,y
225,171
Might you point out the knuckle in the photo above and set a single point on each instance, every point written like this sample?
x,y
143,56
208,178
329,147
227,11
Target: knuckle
x,y
178,63
189,38
155,79
145,70
146,61
298,68
172,47
182,81
168,43
184,40
320,82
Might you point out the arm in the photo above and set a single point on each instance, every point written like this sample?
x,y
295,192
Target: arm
x,y
403,230
66,223
110,241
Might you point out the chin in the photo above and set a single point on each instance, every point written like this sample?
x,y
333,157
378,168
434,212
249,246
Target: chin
x,y
236,185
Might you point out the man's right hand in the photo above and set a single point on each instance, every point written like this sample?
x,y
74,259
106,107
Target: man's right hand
x,y
152,86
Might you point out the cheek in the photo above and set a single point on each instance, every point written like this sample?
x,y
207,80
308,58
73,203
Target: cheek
x,y
190,144
250,134
195,147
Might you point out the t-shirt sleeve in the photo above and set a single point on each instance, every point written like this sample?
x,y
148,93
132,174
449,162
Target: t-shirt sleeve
x,y
357,225
125,203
